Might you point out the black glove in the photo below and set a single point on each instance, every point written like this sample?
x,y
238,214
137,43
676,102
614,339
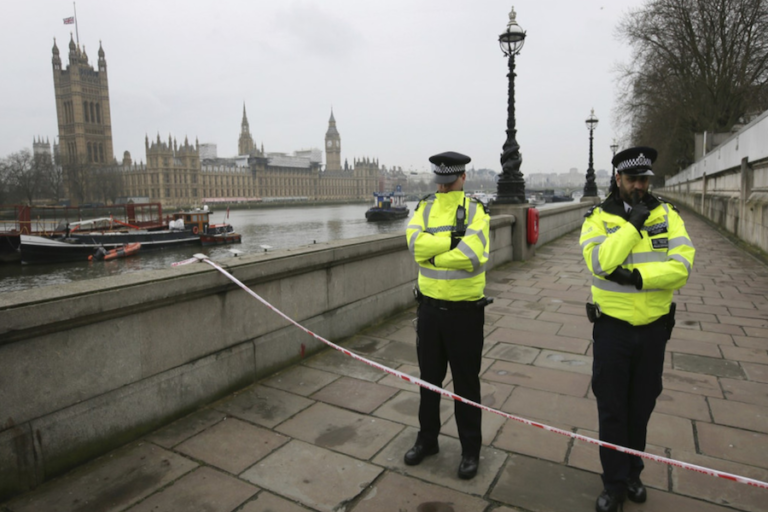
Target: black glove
x,y
627,277
638,215
455,239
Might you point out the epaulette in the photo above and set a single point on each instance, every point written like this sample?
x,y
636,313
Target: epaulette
x,y
485,208
589,212
667,202
428,196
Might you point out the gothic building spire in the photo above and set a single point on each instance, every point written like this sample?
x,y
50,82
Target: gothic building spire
x,y
245,143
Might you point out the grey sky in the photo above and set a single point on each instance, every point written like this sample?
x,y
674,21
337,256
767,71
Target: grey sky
x,y
406,78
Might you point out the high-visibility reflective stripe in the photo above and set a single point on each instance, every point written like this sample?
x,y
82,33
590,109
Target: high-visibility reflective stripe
x,y
597,240
479,233
679,241
682,260
610,286
470,254
446,275
472,211
596,267
425,215
645,257
412,242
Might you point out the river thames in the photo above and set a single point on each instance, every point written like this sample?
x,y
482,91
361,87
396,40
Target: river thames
x,y
278,228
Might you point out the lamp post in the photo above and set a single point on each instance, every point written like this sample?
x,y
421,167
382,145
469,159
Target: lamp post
x,y
511,185
590,188
613,147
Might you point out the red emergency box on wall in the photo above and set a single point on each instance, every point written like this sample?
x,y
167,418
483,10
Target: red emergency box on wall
x,y
532,226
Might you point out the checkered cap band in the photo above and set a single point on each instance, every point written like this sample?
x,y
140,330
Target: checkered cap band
x,y
448,169
641,161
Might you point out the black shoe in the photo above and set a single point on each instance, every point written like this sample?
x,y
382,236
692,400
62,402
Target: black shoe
x,y
608,502
468,466
415,455
636,490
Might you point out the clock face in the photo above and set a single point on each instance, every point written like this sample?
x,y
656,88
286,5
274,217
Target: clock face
x,y
330,143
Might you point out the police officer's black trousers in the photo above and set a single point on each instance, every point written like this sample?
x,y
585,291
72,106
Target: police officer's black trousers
x,y
626,380
451,336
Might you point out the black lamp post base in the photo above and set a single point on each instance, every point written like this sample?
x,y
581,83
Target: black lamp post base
x,y
510,191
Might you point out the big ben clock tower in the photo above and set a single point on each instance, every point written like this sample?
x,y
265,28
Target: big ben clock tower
x,y
332,146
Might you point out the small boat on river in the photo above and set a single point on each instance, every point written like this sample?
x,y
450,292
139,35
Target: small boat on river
x,y
387,206
119,252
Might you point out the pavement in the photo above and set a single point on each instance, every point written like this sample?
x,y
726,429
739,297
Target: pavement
x,y
329,434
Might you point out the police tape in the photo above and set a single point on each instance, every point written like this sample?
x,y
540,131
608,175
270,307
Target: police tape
x,y
448,394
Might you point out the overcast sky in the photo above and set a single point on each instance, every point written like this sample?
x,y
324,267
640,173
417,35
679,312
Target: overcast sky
x,y
405,78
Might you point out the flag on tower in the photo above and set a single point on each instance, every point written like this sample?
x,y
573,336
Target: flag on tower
x,y
69,21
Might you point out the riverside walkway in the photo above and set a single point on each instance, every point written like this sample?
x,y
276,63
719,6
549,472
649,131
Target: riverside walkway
x,y
329,434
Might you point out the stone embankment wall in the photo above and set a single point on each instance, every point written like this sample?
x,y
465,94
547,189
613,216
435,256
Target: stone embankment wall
x,y
729,185
88,366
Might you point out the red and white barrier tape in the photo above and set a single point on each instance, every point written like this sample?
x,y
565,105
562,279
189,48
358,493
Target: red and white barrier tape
x,y
432,387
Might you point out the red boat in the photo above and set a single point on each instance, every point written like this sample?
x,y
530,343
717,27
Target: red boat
x,y
118,252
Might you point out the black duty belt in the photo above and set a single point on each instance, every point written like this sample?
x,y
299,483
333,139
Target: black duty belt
x,y
450,304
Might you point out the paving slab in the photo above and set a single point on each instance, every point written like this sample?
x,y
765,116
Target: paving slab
x,y
398,352
396,382
751,342
232,445
658,500
744,391
336,362
316,477
524,324
394,492
545,379
442,468
186,427
514,353
690,382
671,432
363,344
406,334
540,340
717,490
404,408
262,405
685,405
756,372
733,444
554,407
519,437
300,380
203,489
542,486
358,395
268,502
740,415
679,346
564,361
707,366
110,483
358,435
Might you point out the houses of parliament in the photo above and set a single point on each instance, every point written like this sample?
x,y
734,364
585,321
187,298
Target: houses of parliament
x,y
185,174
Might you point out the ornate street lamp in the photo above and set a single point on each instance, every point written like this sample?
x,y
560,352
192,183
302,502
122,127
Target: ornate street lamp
x,y
511,185
590,188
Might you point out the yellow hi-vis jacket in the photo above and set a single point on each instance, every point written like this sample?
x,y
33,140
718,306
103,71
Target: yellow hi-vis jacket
x,y
662,253
452,274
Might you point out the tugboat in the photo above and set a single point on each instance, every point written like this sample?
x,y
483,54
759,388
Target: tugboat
x,y
387,206
210,234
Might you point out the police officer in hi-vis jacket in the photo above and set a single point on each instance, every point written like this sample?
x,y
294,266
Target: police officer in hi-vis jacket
x,y
639,253
448,236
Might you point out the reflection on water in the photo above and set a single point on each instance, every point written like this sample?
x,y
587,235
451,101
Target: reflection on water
x,y
280,228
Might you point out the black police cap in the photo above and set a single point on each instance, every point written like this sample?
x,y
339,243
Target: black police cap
x,y
448,166
635,161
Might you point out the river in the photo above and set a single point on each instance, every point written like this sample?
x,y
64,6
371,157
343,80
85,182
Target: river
x,y
278,228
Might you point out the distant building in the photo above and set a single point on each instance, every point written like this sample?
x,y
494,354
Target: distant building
x,y
40,147
177,176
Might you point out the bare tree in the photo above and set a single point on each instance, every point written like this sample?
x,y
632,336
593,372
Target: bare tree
x,y
697,65
23,174
107,183
77,177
